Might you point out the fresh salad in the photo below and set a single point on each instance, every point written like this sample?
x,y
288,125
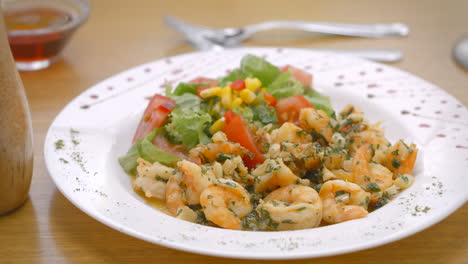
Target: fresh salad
x,y
260,149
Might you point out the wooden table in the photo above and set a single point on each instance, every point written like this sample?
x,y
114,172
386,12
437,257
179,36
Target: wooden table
x,y
121,34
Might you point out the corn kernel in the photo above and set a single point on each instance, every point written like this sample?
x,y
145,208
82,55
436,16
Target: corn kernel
x,y
236,102
218,125
252,84
247,96
210,92
226,97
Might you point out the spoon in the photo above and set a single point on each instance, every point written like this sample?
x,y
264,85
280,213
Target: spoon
x,y
460,52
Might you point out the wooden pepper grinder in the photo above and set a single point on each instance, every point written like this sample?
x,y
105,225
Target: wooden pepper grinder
x,y
16,147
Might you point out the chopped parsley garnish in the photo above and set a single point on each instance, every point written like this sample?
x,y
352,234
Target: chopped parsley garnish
x,y
405,178
381,201
396,163
230,184
223,157
373,187
301,133
372,150
266,147
59,144
315,176
159,178
271,168
338,193
351,109
317,187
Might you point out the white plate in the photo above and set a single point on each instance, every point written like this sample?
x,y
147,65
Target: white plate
x,y
97,126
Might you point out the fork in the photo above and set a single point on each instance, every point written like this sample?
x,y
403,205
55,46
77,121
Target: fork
x,y
232,36
196,35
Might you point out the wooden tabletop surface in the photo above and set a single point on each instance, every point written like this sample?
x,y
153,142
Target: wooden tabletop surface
x,y
121,34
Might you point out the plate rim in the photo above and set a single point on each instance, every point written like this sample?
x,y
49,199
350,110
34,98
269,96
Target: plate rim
x,y
262,256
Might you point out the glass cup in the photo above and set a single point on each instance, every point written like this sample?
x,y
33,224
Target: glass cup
x,y
39,29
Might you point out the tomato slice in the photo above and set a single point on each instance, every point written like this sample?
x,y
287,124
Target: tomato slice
x,y
237,131
177,150
270,99
300,75
228,116
210,82
154,116
166,107
289,108
238,84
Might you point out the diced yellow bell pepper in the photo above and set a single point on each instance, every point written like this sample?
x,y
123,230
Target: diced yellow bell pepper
x,y
226,97
252,84
247,96
236,102
210,92
218,125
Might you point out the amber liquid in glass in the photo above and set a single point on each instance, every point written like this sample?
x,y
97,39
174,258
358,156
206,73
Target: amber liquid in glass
x,y
34,47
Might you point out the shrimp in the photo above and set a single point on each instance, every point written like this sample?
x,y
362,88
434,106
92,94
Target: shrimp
x,y
293,207
151,178
175,200
235,169
348,110
370,176
316,120
155,170
343,201
333,158
225,203
210,152
150,187
290,133
184,188
273,174
351,120
372,135
263,134
401,158
195,179
307,155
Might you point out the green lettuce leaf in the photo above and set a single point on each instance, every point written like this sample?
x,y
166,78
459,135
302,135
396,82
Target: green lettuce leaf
x,y
259,68
285,86
264,114
319,101
187,100
183,88
245,112
187,126
128,162
145,149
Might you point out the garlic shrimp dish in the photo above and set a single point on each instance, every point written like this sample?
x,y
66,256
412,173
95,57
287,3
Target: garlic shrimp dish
x,y
261,150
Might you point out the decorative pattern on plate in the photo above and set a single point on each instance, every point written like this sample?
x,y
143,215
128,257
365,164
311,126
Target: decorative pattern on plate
x,y
87,137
